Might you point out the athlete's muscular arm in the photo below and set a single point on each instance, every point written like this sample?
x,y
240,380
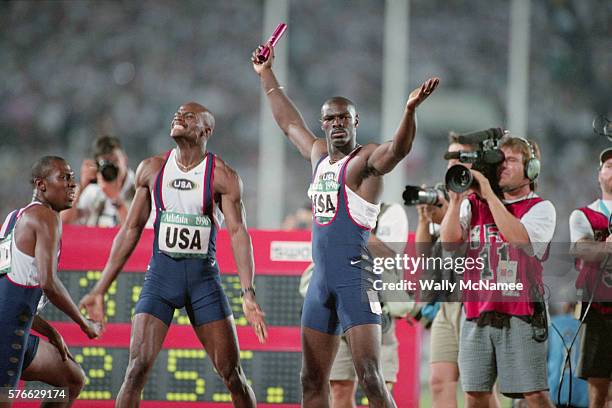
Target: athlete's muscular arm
x,y
228,186
285,113
126,239
44,223
389,154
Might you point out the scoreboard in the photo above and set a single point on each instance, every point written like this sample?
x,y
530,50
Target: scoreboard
x,y
182,374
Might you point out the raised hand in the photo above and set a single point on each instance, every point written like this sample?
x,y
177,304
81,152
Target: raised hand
x,y
261,66
421,93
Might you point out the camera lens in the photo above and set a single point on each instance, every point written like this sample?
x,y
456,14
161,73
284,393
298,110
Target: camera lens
x,y
458,178
108,170
414,195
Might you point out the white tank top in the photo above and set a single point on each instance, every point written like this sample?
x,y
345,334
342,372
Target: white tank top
x,y
183,192
323,192
24,270
184,228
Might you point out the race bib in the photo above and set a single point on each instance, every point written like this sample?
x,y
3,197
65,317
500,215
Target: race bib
x,y
324,195
184,235
5,254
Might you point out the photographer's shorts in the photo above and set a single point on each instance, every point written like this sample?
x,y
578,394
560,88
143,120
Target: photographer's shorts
x,y
344,370
445,333
595,349
510,354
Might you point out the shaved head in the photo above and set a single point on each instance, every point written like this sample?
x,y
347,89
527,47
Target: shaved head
x,y
207,116
340,100
43,167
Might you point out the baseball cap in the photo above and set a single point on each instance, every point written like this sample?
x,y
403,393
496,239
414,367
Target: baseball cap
x,y
605,155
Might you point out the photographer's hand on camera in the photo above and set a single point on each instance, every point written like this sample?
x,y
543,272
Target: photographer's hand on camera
x,y
89,173
424,212
482,186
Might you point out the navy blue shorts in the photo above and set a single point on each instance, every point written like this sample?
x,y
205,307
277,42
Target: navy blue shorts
x,y
194,284
31,349
17,308
337,299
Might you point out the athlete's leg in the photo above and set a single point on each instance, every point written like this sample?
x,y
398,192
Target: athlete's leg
x,y
221,343
148,333
48,367
364,342
318,352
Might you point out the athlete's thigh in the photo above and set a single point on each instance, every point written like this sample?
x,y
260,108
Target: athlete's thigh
x,y
48,366
220,342
364,341
319,311
207,301
148,334
318,352
357,304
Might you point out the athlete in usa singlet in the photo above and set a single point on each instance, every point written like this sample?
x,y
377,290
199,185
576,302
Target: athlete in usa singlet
x,y
340,294
20,293
183,271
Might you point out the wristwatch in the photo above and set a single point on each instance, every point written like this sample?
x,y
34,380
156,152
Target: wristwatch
x,y
245,290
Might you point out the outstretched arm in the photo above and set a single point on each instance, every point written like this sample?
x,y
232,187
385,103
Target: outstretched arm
x,y
389,154
229,186
45,224
125,241
284,111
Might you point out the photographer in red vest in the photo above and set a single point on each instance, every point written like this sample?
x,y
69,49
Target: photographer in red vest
x,y
503,335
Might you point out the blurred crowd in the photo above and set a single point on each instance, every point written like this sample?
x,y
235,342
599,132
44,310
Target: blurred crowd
x,y
74,70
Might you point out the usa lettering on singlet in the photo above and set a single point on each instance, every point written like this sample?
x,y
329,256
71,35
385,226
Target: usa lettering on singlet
x,y
184,228
323,191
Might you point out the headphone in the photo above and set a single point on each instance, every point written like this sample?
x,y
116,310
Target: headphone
x,y
532,167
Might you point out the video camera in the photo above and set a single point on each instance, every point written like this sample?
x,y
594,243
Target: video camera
x,y
486,159
414,195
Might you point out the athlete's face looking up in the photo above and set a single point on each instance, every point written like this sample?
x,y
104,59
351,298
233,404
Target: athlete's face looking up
x,y
339,121
192,121
605,176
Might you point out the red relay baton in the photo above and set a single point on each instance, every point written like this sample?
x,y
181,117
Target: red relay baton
x,y
262,56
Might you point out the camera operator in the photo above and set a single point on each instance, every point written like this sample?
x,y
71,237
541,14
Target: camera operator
x,y
106,187
589,225
504,332
444,338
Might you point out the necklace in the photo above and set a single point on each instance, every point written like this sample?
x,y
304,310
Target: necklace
x,y
187,168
